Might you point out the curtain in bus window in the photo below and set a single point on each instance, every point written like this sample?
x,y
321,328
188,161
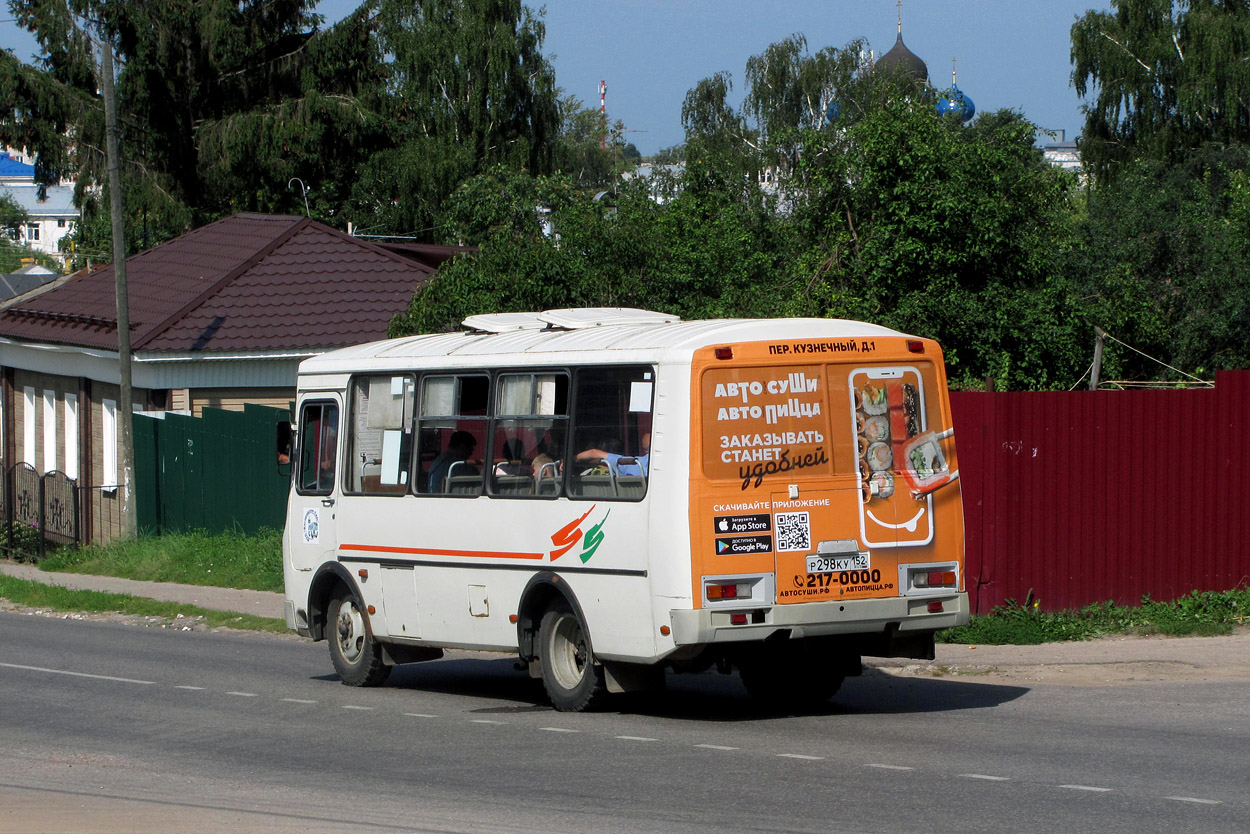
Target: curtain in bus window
x,y
438,396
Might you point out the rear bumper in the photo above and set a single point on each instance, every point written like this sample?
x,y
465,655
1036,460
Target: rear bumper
x,y
693,627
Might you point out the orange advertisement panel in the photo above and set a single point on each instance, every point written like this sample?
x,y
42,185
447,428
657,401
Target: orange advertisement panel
x,y
828,475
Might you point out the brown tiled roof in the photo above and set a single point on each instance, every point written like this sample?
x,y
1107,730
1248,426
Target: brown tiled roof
x,y
248,282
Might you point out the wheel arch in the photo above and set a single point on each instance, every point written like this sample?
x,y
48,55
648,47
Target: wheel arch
x,y
328,578
540,592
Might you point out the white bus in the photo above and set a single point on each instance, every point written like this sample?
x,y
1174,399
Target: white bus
x,y
612,493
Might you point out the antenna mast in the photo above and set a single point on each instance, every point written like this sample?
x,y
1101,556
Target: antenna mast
x,y
603,114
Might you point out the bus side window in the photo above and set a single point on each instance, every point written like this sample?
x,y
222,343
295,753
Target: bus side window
x,y
527,437
611,455
380,440
318,448
451,429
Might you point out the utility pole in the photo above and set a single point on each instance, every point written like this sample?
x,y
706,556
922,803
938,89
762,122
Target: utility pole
x,y
1095,371
125,419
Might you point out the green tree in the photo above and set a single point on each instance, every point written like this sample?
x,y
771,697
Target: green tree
x,y
222,102
945,230
1164,77
591,149
669,156
890,214
710,250
12,217
1163,258
469,90
715,131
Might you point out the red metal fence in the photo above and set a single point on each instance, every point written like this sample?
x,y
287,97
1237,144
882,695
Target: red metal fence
x,y
1087,496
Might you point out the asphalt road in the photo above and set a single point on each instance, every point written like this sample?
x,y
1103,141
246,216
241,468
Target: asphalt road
x,y
110,727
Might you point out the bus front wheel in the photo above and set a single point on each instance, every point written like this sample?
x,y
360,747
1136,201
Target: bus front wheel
x,y
355,654
572,679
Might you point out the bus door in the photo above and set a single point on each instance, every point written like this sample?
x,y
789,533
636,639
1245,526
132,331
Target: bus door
x,y
314,539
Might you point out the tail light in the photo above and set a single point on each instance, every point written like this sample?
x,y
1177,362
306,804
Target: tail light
x,y
934,579
930,578
730,590
725,591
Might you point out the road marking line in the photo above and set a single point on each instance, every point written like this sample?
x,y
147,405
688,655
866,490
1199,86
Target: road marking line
x,y
634,738
985,777
484,721
353,706
243,694
800,756
195,688
1086,788
715,747
75,674
558,730
889,767
298,701
1194,799
420,715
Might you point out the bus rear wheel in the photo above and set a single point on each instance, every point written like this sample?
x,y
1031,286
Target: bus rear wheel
x,y
789,680
355,654
572,679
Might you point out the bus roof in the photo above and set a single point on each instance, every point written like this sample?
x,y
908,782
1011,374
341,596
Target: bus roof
x,y
632,335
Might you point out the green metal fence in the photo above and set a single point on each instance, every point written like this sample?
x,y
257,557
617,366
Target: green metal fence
x,y
217,472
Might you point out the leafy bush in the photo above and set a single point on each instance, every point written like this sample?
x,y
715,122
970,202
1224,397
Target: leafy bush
x,y
1198,613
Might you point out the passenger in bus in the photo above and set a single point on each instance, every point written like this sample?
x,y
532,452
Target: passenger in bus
x,y
459,447
543,464
513,454
621,464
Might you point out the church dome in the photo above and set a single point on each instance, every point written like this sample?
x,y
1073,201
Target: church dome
x,y
954,102
903,60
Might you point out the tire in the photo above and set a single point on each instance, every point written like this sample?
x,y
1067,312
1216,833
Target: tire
x,y
355,654
574,682
787,680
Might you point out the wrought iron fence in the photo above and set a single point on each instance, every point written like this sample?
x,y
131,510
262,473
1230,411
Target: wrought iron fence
x,y
37,512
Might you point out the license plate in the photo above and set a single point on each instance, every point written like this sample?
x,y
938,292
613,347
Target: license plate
x,y
817,563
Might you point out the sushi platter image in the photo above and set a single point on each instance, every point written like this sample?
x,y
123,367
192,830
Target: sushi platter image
x,y
887,416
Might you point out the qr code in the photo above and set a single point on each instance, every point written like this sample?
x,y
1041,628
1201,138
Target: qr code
x,y
793,532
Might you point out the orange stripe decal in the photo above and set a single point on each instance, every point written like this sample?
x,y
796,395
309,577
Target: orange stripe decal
x,y
427,551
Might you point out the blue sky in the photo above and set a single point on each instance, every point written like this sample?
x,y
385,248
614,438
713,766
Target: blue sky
x,y
1011,53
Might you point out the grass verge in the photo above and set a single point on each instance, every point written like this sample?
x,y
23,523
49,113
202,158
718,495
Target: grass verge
x,y
221,560
1200,613
37,595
